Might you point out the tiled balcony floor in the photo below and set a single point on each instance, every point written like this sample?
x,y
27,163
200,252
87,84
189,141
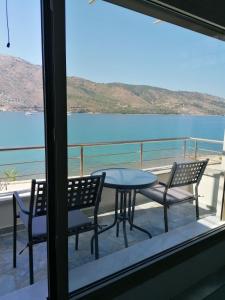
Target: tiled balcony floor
x,y
148,216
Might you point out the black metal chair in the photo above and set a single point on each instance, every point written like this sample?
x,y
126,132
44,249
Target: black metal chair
x,y
170,193
82,192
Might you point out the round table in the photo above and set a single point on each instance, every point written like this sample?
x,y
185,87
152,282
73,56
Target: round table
x,y
126,181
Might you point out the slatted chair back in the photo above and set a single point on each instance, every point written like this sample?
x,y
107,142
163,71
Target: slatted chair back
x,y
83,192
38,203
187,173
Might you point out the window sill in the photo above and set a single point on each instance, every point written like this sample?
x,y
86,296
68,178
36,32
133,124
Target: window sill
x,y
121,264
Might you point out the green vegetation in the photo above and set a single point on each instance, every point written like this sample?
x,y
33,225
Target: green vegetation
x,y
11,174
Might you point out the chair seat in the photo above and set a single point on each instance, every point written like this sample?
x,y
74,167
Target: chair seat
x,y
76,219
174,195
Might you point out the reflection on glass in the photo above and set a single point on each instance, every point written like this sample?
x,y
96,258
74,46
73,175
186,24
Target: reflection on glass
x,y
142,94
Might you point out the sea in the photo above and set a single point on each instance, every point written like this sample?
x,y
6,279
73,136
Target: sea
x,y
19,129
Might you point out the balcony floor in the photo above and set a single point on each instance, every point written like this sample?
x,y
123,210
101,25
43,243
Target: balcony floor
x,y
148,216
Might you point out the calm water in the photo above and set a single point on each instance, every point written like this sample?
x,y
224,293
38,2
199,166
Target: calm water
x,y
20,130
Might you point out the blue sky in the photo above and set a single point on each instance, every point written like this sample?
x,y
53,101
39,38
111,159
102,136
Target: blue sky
x,y
106,43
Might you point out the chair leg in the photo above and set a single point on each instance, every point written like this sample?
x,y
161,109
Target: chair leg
x,y
76,241
117,228
92,244
14,239
14,232
96,244
165,218
31,264
197,208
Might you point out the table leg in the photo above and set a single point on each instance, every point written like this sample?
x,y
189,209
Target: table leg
x,y
126,213
110,226
131,217
124,216
127,203
132,207
121,211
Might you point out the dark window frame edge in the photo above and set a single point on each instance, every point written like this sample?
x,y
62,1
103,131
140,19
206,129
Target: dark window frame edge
x,y
55,118
178,10
173,15
151,266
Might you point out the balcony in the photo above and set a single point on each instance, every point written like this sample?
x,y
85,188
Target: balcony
x,y
155,155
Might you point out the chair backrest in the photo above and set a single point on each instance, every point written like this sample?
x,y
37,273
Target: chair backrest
x,y
38,201
82,192
187,173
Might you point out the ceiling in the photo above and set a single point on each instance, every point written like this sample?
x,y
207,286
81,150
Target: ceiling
x,y
204,16
210,10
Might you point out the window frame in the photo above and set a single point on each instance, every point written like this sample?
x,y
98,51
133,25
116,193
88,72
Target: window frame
x,y
55,116
55,95
135,275
172,14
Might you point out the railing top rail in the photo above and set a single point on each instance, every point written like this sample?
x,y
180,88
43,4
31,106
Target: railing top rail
x,y
206,140
22,148
106,143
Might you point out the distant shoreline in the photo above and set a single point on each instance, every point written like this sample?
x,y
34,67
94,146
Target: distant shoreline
x,y
119,114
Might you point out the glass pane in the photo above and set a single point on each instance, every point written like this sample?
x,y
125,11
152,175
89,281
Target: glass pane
x,y
22,130
142,94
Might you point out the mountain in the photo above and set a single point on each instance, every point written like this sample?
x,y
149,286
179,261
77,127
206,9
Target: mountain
x,y
21,90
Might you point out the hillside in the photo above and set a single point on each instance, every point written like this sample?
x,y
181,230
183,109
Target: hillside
x,y
21,90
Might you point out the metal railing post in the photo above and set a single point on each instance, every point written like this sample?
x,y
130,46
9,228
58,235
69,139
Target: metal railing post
x,y
196,150
185,148
139,152
141,155
81,161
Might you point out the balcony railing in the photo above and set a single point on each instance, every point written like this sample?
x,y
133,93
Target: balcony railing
x,y
83,158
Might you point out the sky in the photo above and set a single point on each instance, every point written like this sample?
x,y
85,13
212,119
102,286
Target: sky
x,y
106,43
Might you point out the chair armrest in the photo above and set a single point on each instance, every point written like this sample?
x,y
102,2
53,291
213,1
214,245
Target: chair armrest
x,y
162,183
17,198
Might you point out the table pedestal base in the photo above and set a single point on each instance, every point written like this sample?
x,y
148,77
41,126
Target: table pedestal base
x,y
124,212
